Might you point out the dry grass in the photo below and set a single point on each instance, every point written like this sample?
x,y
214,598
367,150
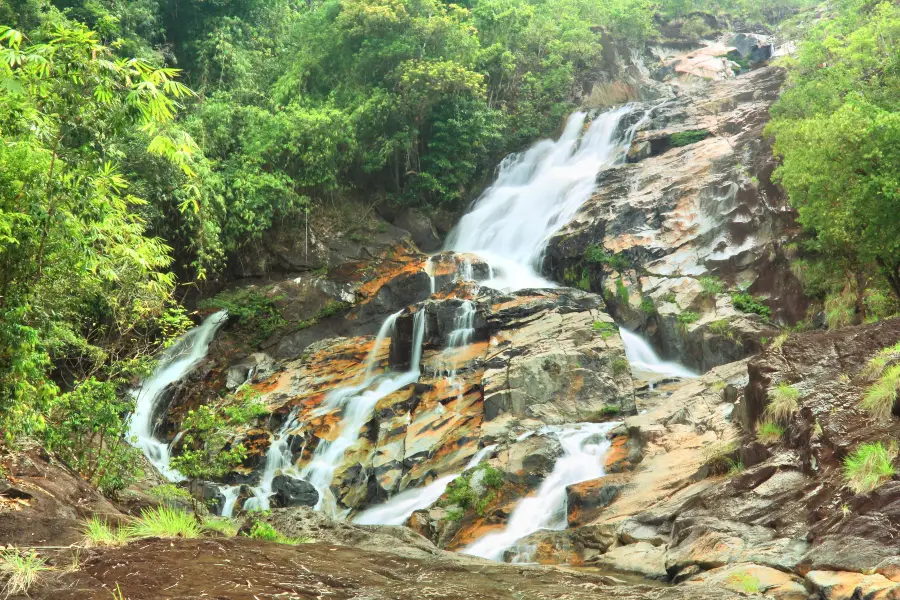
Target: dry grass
x,y
20,571
783,403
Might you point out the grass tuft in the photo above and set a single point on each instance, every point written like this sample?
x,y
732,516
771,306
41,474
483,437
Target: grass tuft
x,y
98,532
264,531
20,570
166,522
779,341
783,403
769,433
222,526
869,466
881,396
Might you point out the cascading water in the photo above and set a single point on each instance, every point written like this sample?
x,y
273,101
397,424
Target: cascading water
x,y
644,361
536,193
358,404
230,494
357,410
398,509
584,446
176,362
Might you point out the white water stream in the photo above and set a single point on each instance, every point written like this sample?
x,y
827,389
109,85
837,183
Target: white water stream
x,y
584,446
176,362
398,509
645,362
536,193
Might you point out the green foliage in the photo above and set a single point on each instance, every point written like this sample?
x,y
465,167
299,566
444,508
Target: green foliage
x,y
622,291
86,430
719,459
171,493
21,571
605,328
648,307
597,255
686,138
748,304
260,530
165,522
610,410
207,449
254,311
461,496
671,298
685,318
721,327
779,341
98,532
620,366
712,286
870,465
783,402
329,310
746,582
222,526
769,432
840,109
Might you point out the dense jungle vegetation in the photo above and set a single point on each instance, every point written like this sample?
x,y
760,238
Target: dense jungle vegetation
x,y
145,143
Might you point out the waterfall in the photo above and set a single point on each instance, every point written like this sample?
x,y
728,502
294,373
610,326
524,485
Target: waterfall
x,y
230,493
429,270
536,193
398,509
584,447
356,403
645,361
176,362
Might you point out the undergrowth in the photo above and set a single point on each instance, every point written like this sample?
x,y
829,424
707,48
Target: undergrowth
x,y
783,402
869,466
21,570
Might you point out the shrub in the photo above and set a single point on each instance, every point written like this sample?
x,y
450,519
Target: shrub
x,y
748,304
254,312
168,492
881,396
783,402
165,522
98,532
87,432
260,530
21,570
769,433
686,138
648,307
712,286
869,466
461,494
610,410
671,298
598,256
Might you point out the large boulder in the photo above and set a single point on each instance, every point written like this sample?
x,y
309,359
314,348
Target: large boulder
x,y
420,227
289,492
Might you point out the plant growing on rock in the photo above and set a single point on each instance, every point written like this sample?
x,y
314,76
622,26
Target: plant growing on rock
x,y
648,307
876,365
686,138
165,522
461,492
769,433
686,318
606,330
221,525
21,570
721,327
260,530
779,341
880,398
99,532
783,402
746,303
254,311
598,256
720,458
711,286
869,466
171,493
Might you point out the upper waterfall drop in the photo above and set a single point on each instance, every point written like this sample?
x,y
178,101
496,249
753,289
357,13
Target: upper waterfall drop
x,y
176,362
536,193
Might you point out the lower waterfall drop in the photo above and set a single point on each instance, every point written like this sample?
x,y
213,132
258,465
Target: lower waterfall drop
x,y
584,447
176,362
644,361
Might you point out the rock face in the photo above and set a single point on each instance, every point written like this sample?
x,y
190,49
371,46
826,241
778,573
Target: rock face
x,y
695,199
